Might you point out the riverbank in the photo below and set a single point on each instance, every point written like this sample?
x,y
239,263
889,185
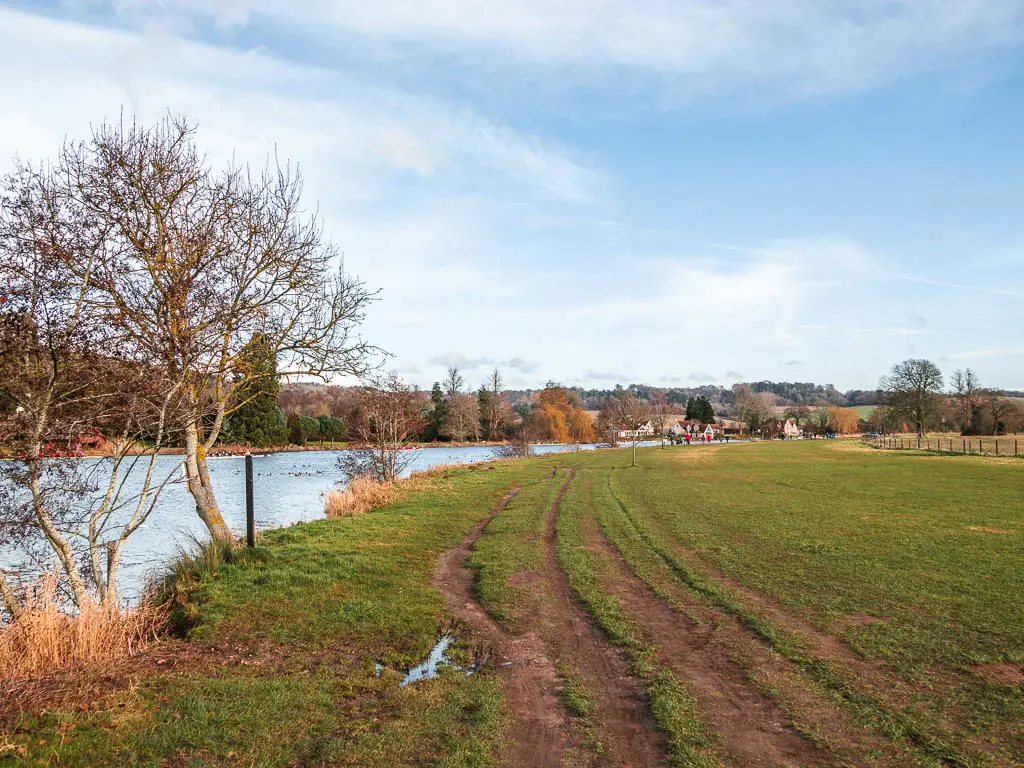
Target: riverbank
x,y
775,576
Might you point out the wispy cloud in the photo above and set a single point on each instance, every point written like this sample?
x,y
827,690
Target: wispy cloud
x,y
799,46
604,376
701,378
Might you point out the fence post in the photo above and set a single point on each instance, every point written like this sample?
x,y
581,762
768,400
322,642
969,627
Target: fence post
x,y
250,516
997,446
980,449
965,445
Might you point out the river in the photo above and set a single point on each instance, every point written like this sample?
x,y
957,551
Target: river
x,y
289,487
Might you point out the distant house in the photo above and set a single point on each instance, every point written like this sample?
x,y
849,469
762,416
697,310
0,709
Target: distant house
x,y
641,432
694,429
787,428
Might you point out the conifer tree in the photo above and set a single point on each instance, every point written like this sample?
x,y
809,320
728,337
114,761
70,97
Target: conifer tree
x,y
257,420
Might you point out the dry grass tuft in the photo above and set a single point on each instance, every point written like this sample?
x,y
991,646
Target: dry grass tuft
x,y
362,495
45,637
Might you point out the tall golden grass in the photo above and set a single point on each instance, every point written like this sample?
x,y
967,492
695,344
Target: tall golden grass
x,y
45,637
362,495
365,493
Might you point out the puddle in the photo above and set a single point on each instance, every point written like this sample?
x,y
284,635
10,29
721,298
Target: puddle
x,y
429,667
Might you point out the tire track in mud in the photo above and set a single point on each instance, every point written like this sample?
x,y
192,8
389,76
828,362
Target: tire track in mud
x,y
860,683
531,684
629,734
751,726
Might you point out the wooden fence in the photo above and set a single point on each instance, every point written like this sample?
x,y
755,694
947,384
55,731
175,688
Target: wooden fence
x,y
978,446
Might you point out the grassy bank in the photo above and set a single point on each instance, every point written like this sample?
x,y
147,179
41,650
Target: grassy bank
x,y
908,567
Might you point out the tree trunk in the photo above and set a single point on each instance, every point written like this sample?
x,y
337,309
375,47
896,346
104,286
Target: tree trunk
x,y
634,453
200,486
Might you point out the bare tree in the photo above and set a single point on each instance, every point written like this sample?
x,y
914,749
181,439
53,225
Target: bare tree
x,y
494,408
631,413
659,413
193,264
912,388
453,382
998,406
519,446
462,411
965,389
753,407
608,422
389,413
64,373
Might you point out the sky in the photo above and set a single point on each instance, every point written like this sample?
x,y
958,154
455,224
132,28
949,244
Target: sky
x,y
673,192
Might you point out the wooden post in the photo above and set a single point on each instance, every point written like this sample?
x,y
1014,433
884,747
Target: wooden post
x,y
250,515
965,445
997,446
980,449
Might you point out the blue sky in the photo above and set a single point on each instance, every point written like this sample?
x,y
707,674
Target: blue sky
x,y
594,191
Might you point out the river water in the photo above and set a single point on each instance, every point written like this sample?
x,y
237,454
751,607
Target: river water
x,y
289,487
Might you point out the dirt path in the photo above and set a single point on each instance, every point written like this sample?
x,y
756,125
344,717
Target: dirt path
x,y
752,727
532,687
629,734
527,662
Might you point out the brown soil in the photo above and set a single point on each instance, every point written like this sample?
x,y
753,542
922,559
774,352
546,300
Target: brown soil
x,y
532,687
629,734
821,644
561,633
523,579
1001,672
752,728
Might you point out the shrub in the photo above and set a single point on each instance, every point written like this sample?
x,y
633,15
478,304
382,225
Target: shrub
x,y
362,495
45,637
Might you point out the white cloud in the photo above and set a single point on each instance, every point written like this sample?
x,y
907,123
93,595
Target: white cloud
x,y
802,46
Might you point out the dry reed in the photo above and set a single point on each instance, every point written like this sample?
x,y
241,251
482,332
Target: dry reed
x,y
45,638
362,495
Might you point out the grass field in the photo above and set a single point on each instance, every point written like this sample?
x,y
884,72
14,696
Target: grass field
x,y
797,603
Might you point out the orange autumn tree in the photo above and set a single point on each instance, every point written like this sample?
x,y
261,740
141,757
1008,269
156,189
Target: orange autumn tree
x,y
559,417
845,421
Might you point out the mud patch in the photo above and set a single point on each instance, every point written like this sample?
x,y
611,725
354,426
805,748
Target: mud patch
x,y
1003,672
523,579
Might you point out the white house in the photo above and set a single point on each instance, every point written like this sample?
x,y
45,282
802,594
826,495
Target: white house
x,y
641,432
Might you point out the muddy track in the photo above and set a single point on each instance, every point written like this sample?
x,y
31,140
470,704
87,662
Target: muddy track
x,y
751,726
629,734
531,684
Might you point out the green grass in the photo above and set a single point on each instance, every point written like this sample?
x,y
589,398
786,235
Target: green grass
x,y
278,665
311,610
830,530
512,545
